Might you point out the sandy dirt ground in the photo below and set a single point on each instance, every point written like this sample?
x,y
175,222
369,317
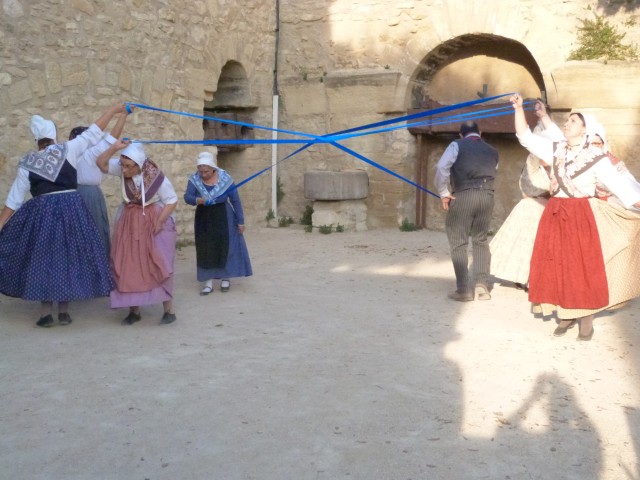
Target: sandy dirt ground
x,y
340,358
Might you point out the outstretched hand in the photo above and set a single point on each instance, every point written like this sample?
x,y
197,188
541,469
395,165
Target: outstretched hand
x,y
540,109
121,144
516,100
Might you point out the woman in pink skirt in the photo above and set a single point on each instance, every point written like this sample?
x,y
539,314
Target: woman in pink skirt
x,y
144,240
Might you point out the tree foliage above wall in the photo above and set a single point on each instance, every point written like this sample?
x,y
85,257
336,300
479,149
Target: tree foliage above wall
x,y
613,6
599,40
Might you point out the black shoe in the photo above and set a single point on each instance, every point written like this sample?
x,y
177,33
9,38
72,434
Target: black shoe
x,y
167,318
46,321
560,331
64,319
130,319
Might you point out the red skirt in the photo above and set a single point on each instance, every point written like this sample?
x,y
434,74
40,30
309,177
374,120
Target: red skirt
x,y
567,267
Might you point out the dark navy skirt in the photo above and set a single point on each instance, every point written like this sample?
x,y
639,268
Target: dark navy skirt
x,y
51,250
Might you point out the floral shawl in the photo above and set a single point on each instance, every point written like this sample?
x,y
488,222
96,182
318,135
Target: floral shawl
x,y
566,168
141,193
223,184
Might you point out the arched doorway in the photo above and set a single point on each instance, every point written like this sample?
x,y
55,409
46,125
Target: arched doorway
x,y
461,69
232,101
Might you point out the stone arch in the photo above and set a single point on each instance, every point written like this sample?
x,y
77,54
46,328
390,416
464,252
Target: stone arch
x,y
233,88
232,101
497,57
467,46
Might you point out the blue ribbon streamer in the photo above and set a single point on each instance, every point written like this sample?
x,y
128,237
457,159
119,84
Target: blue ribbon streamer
x,y
333,138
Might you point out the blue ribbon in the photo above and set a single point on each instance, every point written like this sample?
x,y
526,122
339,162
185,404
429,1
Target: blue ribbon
x,y
335,137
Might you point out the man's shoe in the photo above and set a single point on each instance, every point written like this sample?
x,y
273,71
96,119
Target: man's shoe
x,y
482,292
460,297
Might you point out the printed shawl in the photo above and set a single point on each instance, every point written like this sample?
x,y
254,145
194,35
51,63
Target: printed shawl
x,y
224,182
47,163
566,168
152,178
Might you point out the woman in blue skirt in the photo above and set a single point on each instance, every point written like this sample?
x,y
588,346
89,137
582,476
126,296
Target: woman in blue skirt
x,y
50,248
221,252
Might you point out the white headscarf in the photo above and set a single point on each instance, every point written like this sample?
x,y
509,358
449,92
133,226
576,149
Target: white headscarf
x,y
207,158
596,128
42,128
135,151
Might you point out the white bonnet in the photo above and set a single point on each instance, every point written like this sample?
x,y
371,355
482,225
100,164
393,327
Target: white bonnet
x,y
135,151
596,128
42,128
208,158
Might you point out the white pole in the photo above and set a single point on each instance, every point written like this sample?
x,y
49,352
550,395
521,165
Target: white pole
x,y
274,158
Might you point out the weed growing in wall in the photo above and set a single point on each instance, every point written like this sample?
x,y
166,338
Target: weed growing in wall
x,y
599,40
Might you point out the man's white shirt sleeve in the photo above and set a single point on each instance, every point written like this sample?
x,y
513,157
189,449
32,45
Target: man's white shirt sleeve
x,y
443,169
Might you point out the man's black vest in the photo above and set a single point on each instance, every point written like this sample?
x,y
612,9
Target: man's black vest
x,y
475,166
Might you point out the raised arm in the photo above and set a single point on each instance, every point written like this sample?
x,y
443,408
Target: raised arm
x,y
108,114
103,159
117,129
539,146
521,124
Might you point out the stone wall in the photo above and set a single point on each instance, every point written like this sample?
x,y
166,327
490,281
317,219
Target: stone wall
x,y
341,64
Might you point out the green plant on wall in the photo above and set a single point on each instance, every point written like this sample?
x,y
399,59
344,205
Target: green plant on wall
x,y
285,221
306,218
270,215
407,226
599,40
279,190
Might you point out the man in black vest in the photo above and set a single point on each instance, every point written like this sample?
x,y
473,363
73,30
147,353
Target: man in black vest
x,y
469,164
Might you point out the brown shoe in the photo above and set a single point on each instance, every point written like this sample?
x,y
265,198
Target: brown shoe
x,y
461,297
482,292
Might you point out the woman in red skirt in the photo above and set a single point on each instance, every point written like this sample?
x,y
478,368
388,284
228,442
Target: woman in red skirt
x,y
568,271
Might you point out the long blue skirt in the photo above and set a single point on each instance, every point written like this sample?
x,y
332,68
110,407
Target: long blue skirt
x,y
51,250
216,230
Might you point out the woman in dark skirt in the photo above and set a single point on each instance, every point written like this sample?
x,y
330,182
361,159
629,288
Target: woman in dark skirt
x,y
50,248
221,252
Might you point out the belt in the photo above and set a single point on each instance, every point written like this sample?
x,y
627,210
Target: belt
x,y
485,183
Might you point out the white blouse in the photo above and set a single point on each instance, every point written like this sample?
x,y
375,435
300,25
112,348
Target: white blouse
x,y
88,172
166,194
623,187
75,152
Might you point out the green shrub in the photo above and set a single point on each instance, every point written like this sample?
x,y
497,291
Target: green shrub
x,y
339,228
407,226
325,229
270,215
599,40
306,216
285,221
308,228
